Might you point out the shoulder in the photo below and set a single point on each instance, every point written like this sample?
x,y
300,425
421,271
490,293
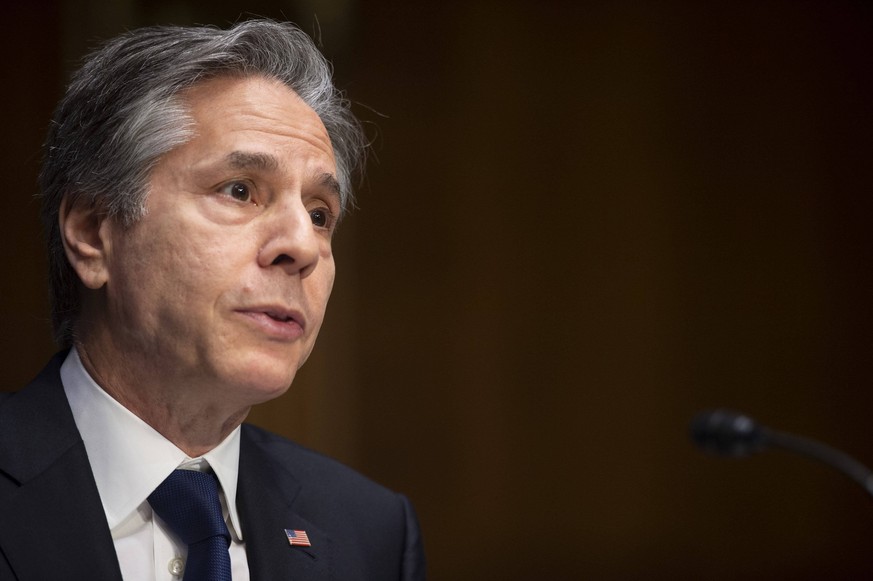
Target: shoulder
x,y
377,528
322,487
311,468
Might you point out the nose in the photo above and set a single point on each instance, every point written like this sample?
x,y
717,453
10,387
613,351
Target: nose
x,y
291,241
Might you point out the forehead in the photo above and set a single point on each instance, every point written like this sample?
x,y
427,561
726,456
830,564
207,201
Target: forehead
x,y
255,108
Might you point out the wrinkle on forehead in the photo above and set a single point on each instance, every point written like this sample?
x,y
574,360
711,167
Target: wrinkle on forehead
x,y
286,114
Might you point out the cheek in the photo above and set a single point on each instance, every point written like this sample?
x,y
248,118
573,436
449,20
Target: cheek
x,y
331,277
165,269
317,289
325,287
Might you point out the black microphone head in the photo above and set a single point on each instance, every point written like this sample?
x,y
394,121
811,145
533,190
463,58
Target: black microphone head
x,y
727,433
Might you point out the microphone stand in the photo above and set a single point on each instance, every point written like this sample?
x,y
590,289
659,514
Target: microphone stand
x,y
729,433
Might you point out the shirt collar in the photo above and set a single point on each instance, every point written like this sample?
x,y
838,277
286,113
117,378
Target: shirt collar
x,y
129,458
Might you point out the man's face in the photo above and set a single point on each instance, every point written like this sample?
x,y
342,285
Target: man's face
x,y
223,285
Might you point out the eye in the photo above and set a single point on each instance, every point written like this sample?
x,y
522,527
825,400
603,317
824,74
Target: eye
x,y
239,191
321,217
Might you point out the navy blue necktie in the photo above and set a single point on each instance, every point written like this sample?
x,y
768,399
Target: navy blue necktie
x,y
188,502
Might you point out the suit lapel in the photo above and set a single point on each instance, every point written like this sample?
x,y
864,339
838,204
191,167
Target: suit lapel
x,y
265,499
52,523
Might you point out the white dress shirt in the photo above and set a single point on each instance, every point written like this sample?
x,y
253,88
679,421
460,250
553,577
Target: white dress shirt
x,y
129,460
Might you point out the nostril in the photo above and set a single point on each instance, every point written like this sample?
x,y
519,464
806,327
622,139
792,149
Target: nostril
x,y
282,259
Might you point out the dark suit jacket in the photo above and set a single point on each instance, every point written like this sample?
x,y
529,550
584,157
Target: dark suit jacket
x,y
52,524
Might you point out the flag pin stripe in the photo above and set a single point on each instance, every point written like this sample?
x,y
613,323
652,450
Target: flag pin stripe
x,y
297,538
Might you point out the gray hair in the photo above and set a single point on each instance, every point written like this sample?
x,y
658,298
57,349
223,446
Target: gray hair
x,y
122,112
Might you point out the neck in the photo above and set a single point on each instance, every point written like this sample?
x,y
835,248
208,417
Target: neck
x,y
193,423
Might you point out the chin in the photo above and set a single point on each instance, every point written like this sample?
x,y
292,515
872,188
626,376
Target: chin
x,y
261,382
255,392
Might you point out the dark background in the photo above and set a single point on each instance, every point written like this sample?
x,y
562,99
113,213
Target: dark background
x,y
583,222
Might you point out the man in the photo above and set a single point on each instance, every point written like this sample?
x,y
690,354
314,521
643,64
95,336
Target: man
x,y
192,182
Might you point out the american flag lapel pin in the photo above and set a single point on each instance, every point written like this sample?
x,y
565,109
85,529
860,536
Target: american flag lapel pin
x,y
298,538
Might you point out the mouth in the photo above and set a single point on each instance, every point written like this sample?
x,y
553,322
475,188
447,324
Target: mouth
x,y
276,322
281,316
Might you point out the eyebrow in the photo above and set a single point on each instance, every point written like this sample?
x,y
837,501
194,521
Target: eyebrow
x,y
247,160
250,160
328,181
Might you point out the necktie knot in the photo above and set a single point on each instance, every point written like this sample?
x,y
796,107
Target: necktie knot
x,y
189,503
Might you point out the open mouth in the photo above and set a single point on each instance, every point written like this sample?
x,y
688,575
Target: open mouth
x,y
276,321
281,317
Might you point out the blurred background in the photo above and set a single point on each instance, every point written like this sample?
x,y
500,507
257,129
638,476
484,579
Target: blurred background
x,y
583,222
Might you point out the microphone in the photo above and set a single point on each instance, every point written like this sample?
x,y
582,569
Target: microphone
x,y
729,433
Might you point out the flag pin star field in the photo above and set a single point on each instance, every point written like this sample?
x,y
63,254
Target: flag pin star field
x,y
297,538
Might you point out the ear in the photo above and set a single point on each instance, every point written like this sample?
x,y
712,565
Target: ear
x,y
85,231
